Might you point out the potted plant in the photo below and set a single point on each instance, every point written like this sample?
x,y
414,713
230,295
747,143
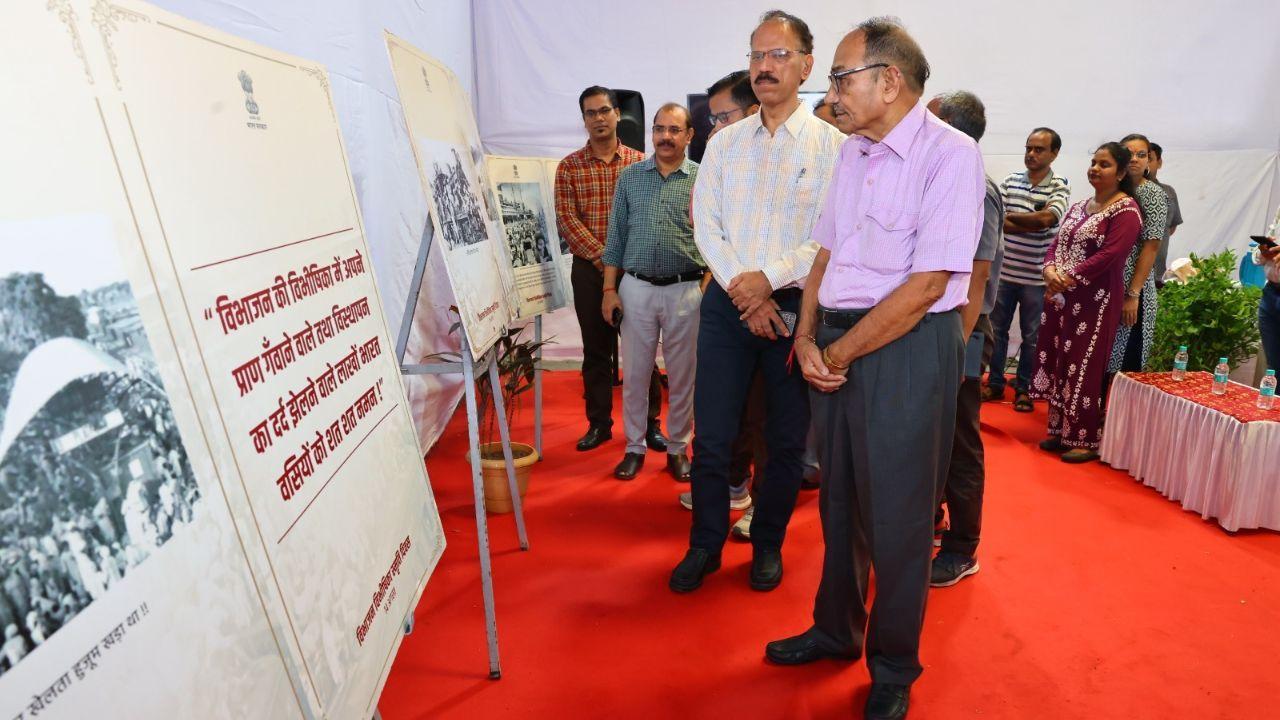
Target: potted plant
x,y
517,361
1211,313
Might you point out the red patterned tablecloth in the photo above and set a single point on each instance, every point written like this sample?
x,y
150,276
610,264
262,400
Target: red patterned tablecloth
x,y
1240,402
1217,455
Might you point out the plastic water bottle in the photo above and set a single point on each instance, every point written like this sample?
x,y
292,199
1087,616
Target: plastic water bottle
x,y
1267,391
1220,377
1180,363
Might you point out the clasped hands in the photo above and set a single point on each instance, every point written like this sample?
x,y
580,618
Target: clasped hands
x,y
1057,281
815,367
750,293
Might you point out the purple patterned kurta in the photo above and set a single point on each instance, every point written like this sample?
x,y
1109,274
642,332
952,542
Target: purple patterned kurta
x,y
1075,340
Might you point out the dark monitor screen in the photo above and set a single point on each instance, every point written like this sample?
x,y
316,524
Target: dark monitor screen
x,y
698,108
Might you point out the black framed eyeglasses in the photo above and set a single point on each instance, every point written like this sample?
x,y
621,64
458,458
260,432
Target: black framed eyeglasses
x,y
597,113
835,77
722,118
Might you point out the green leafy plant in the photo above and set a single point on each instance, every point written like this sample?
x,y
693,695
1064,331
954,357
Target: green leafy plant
x,y
1213,315
517,360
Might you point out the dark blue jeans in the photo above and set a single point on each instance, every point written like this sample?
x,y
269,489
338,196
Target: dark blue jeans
x,y
1269,324
728,355
1028,300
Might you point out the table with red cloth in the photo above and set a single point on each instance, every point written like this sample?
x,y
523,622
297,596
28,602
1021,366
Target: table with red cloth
x,y
1218,455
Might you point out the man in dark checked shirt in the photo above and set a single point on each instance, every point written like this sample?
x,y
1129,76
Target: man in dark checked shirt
x,y
585,182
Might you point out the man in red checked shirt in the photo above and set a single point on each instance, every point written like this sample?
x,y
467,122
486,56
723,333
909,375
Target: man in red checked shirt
x,y
585,184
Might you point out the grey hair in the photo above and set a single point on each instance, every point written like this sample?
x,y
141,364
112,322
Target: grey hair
x,y
798,26
963,111
888,42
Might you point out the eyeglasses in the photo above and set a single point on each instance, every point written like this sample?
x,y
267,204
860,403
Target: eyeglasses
x,y
835,77
597,113
778,54
722,118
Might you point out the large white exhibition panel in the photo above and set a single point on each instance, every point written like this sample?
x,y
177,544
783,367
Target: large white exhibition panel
x,y
213,496
347,38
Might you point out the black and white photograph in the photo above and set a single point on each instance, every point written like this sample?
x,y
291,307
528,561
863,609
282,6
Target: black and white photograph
x,y
94,477
525,223
462,218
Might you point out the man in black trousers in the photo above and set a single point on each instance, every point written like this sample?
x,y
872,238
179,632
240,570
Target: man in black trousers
x,y
585,183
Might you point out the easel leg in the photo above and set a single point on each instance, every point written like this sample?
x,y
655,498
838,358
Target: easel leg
x,y
504,433
482,523
537,386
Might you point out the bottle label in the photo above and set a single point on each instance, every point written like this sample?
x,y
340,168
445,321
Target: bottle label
x,y
1180,365
1267,391
1219,377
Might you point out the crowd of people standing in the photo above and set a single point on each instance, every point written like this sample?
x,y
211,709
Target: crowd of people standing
x,y
838,285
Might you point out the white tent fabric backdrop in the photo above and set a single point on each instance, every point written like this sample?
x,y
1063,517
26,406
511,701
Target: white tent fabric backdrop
x,y
347,37
1201,80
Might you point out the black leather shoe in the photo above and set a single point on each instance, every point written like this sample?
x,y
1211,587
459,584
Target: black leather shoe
x,y
679,466
595,437
812,479
804,648
766,569
697,564
654,438
630,465
887,702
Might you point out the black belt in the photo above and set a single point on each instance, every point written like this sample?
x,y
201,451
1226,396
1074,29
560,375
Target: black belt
x,y
668,279
840,319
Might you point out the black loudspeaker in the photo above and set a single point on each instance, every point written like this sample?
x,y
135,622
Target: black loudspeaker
x,y
631,125
700,111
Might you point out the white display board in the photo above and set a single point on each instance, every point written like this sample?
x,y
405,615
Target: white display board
x,y
532,238
451,166
210,480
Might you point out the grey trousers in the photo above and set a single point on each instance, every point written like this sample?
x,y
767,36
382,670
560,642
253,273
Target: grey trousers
x,y
884,444
648,310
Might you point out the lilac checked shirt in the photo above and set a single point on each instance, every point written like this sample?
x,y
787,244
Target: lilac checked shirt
x,y
910,203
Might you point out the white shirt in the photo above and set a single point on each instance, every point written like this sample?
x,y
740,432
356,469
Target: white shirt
x,y
758,197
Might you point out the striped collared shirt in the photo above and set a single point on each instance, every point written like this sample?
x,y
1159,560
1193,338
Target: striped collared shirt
x,y
649,229
1024,252
758,197
584,196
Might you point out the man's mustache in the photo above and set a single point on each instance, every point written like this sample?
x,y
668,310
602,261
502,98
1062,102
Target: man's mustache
x,y
765,77
666,143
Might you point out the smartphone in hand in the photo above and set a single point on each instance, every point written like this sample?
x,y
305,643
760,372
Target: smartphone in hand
x,y
616,320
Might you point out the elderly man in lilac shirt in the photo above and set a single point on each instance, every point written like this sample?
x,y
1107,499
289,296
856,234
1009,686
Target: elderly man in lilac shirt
x,y
879,340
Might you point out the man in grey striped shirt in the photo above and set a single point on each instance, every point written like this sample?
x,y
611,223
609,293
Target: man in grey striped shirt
x,y
1034,203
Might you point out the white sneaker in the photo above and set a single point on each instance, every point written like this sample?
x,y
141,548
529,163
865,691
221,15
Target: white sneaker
x,y
742,528
736,502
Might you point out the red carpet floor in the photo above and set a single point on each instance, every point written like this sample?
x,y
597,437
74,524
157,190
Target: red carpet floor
x,y
1097,598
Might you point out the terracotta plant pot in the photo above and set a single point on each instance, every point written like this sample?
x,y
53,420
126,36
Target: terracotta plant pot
x,y
493,469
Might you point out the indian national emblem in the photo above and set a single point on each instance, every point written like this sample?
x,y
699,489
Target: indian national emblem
x,y
246,83
515,172
426,80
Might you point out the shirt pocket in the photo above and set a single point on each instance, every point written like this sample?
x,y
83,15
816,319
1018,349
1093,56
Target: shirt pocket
x,y
889,239
806,193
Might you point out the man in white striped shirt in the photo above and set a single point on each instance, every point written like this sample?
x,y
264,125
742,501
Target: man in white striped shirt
x,y
758,195
1034,203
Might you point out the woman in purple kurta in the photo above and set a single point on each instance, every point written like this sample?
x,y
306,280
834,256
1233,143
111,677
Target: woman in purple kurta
x,y
1084,275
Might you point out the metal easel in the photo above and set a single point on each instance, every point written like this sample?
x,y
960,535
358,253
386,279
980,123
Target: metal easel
x,y
469,369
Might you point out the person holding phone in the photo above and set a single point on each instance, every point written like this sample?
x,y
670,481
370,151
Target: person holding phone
x,y
758,195
653,271
1267,254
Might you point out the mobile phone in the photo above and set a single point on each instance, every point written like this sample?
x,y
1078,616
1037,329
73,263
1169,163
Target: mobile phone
x,y
617,317
1263,241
